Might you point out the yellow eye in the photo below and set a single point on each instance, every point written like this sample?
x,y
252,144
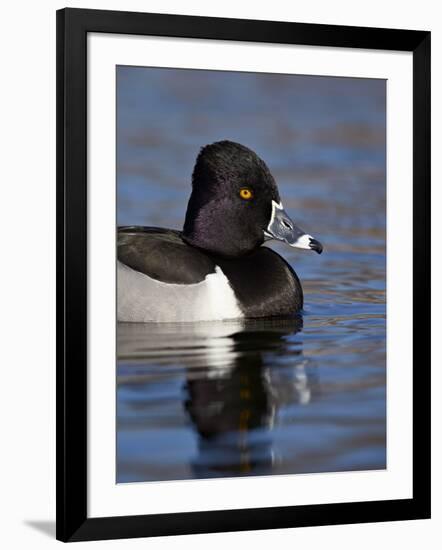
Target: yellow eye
x,y
245,193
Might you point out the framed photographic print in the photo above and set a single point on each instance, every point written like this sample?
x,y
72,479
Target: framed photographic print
x,y
243,298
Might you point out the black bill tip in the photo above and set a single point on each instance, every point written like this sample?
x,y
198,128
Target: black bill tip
x,y
316,246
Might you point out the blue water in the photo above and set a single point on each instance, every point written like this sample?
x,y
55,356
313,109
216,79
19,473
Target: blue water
x,y
270,396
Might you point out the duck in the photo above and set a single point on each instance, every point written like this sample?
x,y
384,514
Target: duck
x,y
216,268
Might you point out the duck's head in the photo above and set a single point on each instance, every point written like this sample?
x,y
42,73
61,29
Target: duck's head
x,y
235,204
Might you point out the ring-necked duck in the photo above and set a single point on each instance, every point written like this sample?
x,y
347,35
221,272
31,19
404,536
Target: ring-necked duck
x,y
215,268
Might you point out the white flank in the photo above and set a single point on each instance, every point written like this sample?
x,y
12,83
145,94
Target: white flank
x,y
223,302
141,299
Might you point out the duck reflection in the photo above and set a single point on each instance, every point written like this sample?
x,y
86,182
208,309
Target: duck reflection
x,y
233,402
238,376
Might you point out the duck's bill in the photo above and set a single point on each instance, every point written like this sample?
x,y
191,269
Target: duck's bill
x,y
282,228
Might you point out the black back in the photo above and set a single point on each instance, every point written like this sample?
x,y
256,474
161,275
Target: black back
x,y
162,255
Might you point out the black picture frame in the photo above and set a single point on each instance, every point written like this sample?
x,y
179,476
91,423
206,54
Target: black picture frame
x,y
73,25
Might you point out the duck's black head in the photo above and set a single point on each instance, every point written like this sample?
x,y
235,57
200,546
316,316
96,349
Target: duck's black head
x,y
235,204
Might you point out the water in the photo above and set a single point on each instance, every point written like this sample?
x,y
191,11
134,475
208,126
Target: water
x,y
265,396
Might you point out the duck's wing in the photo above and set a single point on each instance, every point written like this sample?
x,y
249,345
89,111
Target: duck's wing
x,y
162,255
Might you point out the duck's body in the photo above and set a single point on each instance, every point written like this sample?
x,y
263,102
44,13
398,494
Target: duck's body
x,y
162,278
215,268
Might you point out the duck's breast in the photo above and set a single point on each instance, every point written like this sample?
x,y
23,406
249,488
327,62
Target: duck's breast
x,y
264,284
